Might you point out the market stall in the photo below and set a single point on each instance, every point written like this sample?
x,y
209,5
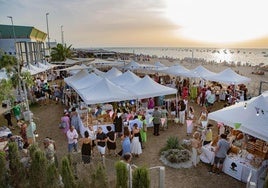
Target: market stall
x,y
86,119
248,119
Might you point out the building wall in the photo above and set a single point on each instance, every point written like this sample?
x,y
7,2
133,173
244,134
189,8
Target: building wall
x,y
28,51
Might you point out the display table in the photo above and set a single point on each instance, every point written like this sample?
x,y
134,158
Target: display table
x,y
83,128
235,166
4,132
240,168
207,155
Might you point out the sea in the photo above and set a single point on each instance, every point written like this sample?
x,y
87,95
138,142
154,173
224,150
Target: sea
x,y
242,56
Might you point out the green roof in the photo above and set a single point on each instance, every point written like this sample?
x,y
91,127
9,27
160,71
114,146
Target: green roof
x,y
6,32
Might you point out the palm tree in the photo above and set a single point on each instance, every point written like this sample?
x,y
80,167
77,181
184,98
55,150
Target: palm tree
x,y
61,53
10,63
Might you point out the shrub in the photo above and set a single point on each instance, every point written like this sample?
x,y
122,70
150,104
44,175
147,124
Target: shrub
x,y
3,170
38,169
141,178
121,175
172,143
99,177
67,173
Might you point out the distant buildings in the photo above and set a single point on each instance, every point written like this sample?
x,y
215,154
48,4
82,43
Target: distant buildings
x,y
30,43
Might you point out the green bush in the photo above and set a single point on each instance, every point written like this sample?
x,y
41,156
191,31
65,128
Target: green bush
x,y
172,143
121,174
99,177
3,170
67,173
141,178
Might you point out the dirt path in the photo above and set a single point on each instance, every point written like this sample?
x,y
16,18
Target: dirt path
x,y
47,119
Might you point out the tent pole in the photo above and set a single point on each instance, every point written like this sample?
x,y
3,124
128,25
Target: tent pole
x,y
177,110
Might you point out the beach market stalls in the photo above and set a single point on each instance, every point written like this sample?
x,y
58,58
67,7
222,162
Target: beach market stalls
x,y
112,73
147,87
250,117
82,80
176,70
198,72
104,91
126,78
228,76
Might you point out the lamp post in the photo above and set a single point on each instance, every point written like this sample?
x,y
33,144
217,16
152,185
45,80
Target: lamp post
x,y
15,46
48,33
62,39
19,75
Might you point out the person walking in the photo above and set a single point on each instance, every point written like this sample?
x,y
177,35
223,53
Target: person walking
x,y
50,150
126,148
72,137
118,123
86,147
220,153
182,108
156,121
111,140
74,119
196,144
7,116
135,144
101,139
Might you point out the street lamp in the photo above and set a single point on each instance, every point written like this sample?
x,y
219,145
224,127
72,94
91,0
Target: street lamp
x,y
19,75
14,34
62,39
15,42
48,33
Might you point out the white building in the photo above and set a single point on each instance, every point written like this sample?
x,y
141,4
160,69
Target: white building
x,y
30,43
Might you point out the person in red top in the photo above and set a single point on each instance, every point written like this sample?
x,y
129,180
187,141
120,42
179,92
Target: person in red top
x,y
203,95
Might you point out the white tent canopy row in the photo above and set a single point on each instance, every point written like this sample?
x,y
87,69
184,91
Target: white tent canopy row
x,y
198,72
251,116
36,69
228,76
82,80
93,89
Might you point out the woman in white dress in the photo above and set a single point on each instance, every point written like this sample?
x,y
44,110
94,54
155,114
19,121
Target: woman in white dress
x,y
135,146
189,121
195,142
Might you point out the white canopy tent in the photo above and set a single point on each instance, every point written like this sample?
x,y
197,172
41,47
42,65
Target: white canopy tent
x,y
176,70
98,72
159,64
133,65
44,66
198,72
126,78
67,62
228,76
82,80
147,87
75,67
112,73
106,63
252,115
32,69
104,91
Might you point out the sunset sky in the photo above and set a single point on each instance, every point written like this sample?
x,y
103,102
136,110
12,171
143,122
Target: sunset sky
x,y
145,23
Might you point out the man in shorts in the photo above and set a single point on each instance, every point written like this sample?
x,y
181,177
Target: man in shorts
x,y
220,153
